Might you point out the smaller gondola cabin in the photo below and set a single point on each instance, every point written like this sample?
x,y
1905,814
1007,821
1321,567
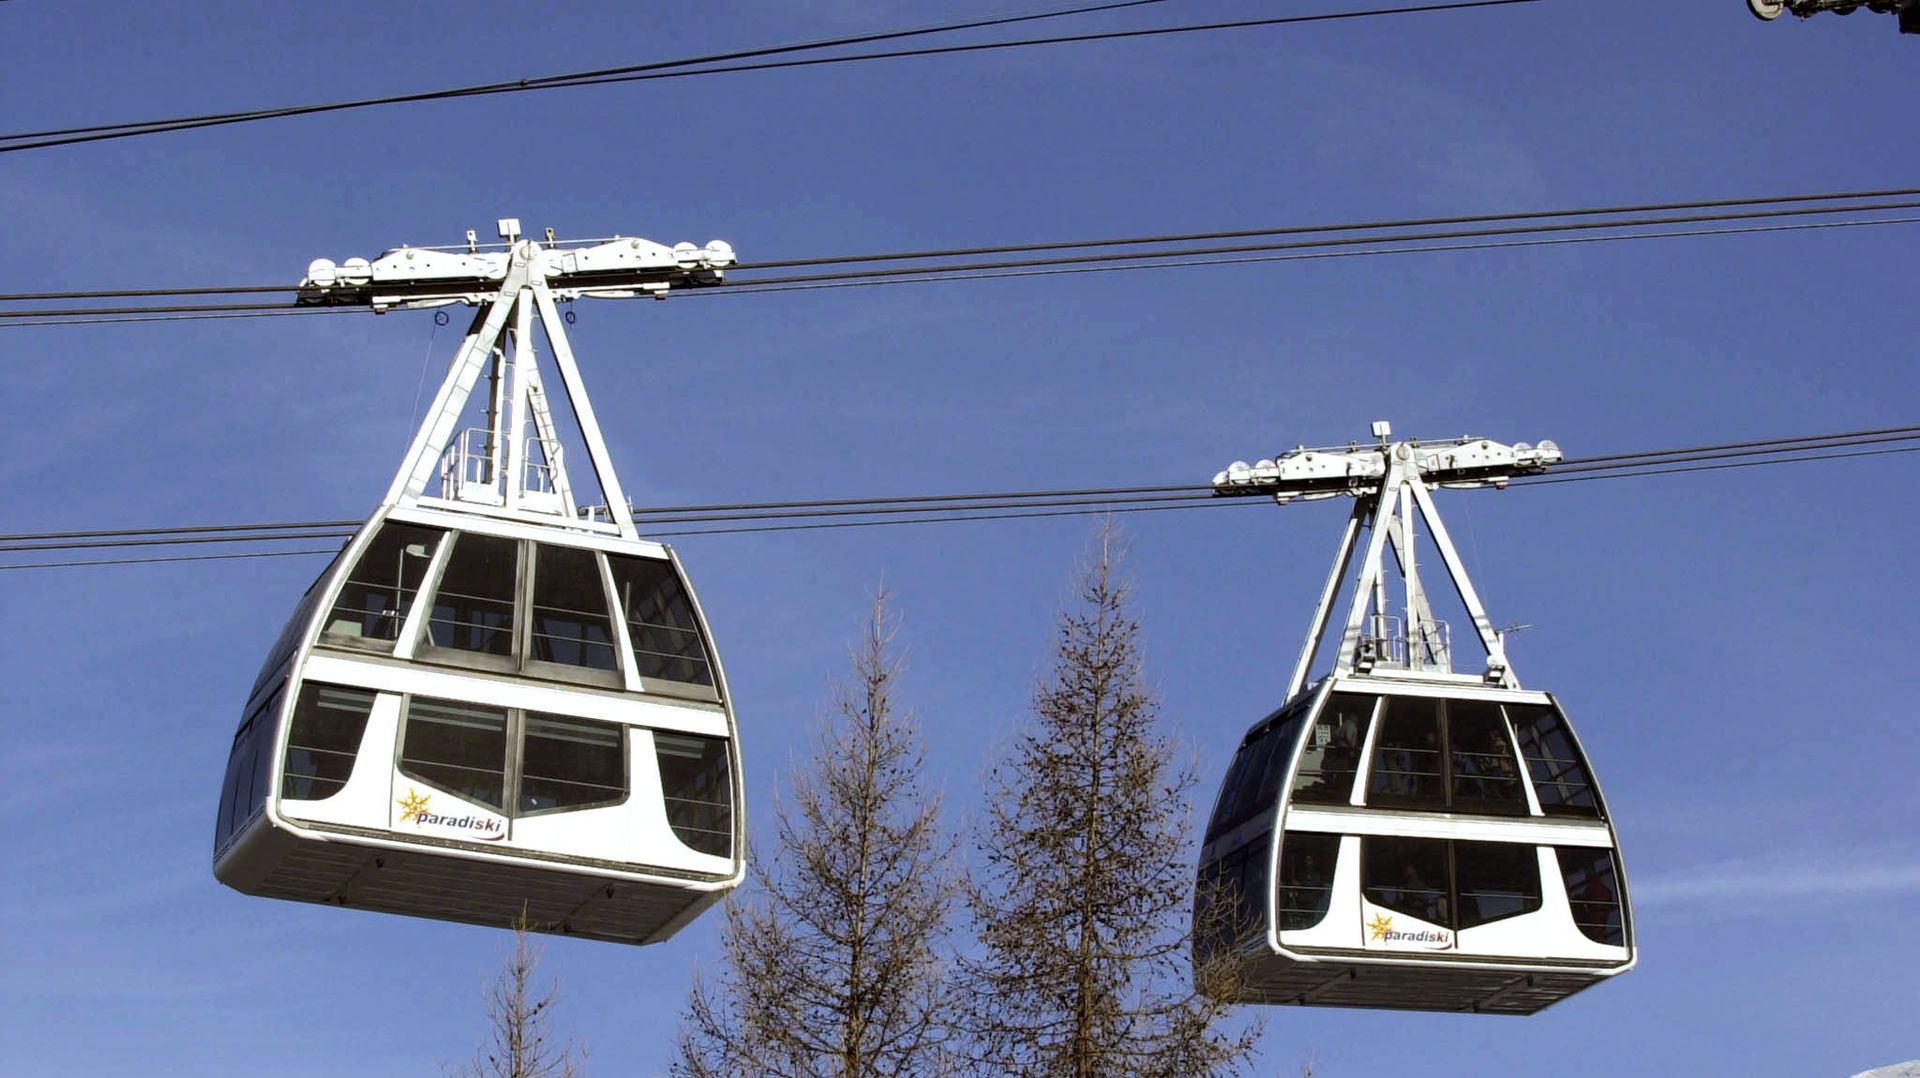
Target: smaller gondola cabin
x,y
1400,835
1387,843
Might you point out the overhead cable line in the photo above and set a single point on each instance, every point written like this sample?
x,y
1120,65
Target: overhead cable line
x,y
128,129
1160,240
1646,228
838,513
715,65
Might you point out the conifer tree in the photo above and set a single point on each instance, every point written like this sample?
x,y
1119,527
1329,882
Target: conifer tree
x,y
1082,896
520,1039
832,961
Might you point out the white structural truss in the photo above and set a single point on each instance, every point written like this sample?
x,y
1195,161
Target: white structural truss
x,y
512,467
1391,482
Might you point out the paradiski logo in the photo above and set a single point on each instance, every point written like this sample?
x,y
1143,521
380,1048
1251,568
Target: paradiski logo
x,y
415,808
1381,930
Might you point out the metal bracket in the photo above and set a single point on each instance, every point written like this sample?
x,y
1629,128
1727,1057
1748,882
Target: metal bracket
x,y
1391,483
517,474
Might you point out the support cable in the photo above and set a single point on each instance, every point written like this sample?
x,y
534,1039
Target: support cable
x,y
690,67
1780,202
823,514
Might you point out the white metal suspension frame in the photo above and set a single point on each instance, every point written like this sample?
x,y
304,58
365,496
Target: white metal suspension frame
x,y
1907,10
1390,482
511,474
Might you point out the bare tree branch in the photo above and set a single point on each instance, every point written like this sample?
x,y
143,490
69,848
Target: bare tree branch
x,y
520,1040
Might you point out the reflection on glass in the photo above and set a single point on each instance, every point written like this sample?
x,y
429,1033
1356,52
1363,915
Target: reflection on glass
x,y
1559,774
660,620
473,610
461,748
695,779
571,763
324,740
570,622
373,602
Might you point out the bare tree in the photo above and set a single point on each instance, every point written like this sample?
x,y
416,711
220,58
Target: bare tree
x,y
1082,902
832,963
520,1041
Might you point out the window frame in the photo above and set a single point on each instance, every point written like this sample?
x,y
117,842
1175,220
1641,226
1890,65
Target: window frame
x,y
731,803
1452,883
514,761
1448,777
691,690
286,754
1362,750
429,579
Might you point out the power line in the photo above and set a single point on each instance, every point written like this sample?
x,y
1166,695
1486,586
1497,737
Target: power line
x,y
823,514
138,127
1162,240
690,67
1309,250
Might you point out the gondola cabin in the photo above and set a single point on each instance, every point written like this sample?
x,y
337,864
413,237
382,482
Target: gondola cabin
x,y
1399,835
494,706
1394,843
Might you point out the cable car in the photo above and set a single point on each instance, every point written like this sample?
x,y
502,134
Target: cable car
x,y
1397,834
495,706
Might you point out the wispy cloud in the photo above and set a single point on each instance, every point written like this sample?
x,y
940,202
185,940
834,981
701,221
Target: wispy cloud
x,y
1782,879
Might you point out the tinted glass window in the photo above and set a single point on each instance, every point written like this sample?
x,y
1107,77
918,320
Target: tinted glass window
x,y
1593,894
1495,880
1452,884
1251,908
290,635
1252,785
1223,809
323,741
1407,757
457,747
1332,753
1559,773
473,610
1306,878
223,822
374,601
1408,875
666,635
570,623
699,792
570,763
1484,774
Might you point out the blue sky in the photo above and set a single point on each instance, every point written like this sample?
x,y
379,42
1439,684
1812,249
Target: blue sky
x,y
1734,647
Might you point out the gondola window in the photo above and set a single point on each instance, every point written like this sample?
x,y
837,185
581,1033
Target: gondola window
x,y
571,763
693,777
324,740
461,748
661,621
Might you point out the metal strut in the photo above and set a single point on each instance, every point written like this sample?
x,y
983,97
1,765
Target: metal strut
x,y
506,469
1391,483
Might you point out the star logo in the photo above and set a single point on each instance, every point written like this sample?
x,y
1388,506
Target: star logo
x,y
414,805
1380,926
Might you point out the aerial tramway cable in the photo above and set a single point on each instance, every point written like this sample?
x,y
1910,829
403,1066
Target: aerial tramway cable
x,y
1759,208
827,514
692,66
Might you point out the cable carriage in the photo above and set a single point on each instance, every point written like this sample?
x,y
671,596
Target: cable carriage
x,y
1398,835
495,706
